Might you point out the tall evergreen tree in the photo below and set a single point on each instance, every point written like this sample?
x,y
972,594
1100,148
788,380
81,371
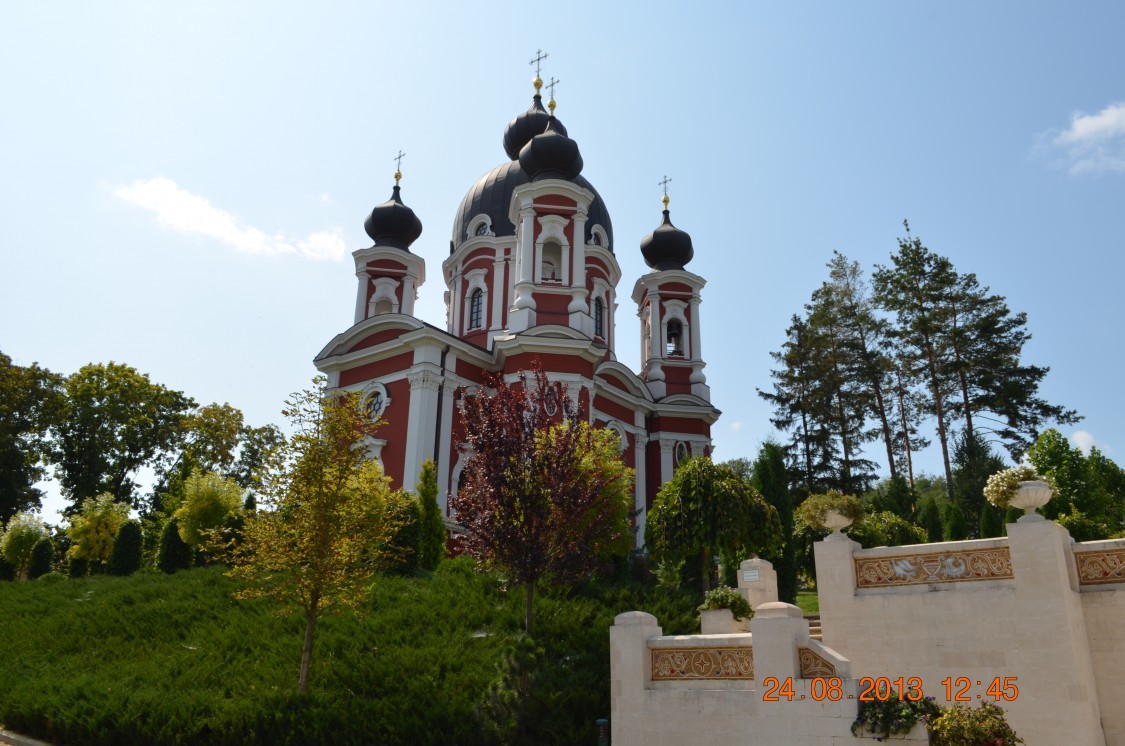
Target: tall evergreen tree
x,y
431,544
974,462
771,479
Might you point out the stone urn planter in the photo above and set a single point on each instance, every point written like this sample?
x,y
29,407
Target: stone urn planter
x,y
1029,497
836,520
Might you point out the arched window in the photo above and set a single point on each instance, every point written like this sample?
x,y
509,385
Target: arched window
x,y
476,309
552,262
599,318
674,344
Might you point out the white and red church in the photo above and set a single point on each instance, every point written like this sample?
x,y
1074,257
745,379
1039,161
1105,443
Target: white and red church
x,y
531,275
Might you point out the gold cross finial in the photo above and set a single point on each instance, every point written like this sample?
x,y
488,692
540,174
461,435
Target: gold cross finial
x,y
398,166
540,55
664,183
551,89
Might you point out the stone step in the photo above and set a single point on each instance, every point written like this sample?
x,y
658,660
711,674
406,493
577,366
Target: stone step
x,y
815,629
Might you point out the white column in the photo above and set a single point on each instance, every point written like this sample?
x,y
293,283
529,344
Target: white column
x,y
640,443
667,461
361,295
409,293
445,443
497,293
420,432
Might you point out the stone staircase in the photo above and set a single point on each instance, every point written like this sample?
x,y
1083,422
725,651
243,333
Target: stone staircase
x,y
814,627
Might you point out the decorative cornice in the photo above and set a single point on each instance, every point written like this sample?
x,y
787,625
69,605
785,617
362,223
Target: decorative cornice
x,y
1101,567
814,666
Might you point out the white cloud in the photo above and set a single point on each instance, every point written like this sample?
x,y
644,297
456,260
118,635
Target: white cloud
x,y
1085,441
326,197
1093,142
189,213
737,426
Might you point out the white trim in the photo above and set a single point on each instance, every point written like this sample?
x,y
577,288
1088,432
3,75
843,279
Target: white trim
x,y
384,290
474,224
476,281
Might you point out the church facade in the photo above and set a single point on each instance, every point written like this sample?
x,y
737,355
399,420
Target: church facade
x,y
531,278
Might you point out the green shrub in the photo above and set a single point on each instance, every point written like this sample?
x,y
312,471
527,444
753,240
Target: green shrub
x,y
893,715
815,508
173,554
127,548
725,597
52,577
18,541
209,500
79,567
432,538
1082,527
965,726
42,557
404,543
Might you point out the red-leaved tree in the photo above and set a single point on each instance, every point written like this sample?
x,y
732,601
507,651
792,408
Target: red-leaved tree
x,y
545,497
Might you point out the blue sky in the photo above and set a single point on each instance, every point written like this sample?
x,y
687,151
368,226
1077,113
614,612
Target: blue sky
x,y
182,185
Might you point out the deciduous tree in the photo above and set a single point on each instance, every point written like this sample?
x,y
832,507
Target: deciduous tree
x,y
323,522
115,422
545,497
93,529
706,509
31,402
18,541
209,500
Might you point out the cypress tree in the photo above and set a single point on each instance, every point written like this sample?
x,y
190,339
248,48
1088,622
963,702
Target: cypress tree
x,y
173,554
41,557
931,520
431,543
127,547
79,568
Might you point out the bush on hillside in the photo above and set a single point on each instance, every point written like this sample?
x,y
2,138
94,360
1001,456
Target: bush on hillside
x,y
173,554
42,556
127,548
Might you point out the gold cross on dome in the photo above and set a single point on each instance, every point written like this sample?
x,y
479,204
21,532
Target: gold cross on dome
x,y
398,166
551,87
664,183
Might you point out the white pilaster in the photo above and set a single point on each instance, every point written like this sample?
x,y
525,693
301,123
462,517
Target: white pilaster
x,y
361,295
422,418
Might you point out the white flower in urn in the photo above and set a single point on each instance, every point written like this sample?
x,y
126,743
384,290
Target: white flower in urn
x,y
1019,487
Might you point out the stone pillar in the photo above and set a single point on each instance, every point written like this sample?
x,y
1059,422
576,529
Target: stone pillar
x,y
420,435
640,490
361,295
778,630
1060,702
835,582
757,581
630,668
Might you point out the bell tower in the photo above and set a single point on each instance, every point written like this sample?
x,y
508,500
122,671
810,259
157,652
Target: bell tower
x,y
389,275
668,300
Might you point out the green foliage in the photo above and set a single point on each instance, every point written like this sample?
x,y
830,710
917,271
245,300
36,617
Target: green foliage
x,y
504,713
707,509
725,597
991,522
173,553
126,557
7,570
431,543
31,404
965,726
79,568
169,660
328,515
815,508
953,523
42,557
93,530
892,495
1084,528
973,463
209,502
885,529
402,552
115,422
893,715
18,540
771,479
1089,484
930,519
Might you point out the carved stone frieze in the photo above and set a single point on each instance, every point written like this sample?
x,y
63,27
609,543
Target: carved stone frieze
x,y
1101,567
936,567
702,663
813,666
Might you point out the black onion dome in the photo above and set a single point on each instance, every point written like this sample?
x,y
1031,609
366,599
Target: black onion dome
x,y
492,196
393,224
526,126
551,155
667,247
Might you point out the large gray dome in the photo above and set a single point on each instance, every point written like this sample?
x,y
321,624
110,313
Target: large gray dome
x,y
492,195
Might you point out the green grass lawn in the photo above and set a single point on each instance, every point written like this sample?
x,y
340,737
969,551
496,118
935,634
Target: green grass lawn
x,y
156,659
809,602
